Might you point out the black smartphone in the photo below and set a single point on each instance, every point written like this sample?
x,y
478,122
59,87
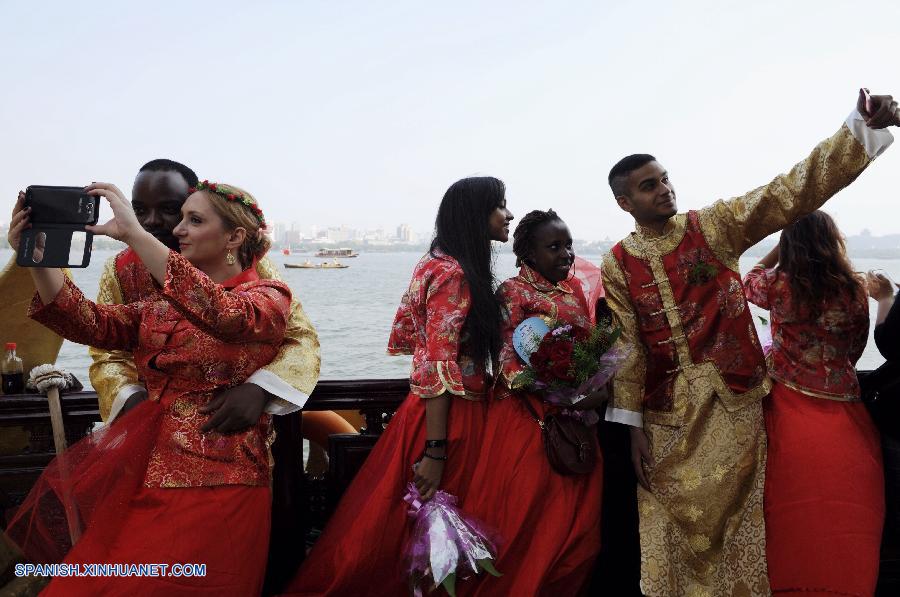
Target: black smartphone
x,y
57,237
61,205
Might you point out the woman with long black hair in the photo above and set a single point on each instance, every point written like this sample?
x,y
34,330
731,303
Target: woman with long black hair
x,y
450,322
824,494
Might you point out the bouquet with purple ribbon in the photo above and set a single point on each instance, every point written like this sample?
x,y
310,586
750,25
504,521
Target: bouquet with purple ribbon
x,y
566,363
444,544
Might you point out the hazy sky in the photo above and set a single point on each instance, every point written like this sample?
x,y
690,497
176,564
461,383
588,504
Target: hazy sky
x,y
362,113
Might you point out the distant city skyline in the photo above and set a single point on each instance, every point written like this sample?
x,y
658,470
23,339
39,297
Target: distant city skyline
x,y
296,232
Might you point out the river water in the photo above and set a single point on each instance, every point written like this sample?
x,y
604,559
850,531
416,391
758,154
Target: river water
x,y
353,309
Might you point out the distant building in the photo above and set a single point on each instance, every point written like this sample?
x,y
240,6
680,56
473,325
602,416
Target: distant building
x,y
340,234
291,237
404,233
376,235
278,232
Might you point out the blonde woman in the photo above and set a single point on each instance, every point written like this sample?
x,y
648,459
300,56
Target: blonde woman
x,y
153,488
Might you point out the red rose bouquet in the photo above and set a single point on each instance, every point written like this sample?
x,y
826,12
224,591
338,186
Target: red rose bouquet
x,y
566,363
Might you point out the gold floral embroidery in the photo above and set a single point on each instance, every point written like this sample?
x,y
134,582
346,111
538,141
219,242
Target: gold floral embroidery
x,y
719,472
699,542
691,479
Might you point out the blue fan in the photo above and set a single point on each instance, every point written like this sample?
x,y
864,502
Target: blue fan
x,y
527,337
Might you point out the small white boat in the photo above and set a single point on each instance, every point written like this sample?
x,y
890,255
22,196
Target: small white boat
x,y
334,264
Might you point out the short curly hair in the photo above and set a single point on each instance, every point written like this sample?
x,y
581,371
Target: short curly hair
x,y
524,233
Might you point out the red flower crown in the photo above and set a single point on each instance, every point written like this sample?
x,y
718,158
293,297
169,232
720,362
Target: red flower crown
x,y
229,194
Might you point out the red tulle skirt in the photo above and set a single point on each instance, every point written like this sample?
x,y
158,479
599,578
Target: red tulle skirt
x,y
824,496
549,523
361,551
94,493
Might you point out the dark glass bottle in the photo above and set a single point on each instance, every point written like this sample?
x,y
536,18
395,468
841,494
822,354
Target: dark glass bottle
x,y
11,371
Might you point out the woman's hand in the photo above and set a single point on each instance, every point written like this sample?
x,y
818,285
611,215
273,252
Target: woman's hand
x,y
18,222
47,281
124,225
428,473
770,259
879,286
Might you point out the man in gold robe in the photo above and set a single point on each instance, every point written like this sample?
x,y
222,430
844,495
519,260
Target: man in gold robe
x,y
283,386
691,389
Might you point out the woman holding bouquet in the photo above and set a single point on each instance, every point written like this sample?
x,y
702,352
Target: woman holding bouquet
x,y
449,321
549,522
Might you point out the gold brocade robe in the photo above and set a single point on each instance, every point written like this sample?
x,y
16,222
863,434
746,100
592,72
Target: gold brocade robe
x,y
701,526
297,363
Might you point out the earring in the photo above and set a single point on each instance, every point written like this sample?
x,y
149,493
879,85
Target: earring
x,y
229,258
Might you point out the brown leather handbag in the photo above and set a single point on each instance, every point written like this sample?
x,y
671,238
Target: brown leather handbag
x,y
570,445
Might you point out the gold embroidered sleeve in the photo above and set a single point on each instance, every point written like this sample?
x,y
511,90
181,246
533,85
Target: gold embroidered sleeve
x,y
298,362
732,226
266,269
628,382
110,370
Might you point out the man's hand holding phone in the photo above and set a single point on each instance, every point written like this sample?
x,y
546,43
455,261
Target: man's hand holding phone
x,y
879,111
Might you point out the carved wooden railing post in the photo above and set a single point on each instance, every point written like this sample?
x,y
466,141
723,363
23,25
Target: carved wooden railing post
x,y
287,542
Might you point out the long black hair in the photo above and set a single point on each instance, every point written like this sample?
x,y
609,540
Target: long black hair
x,y
811,252
461,231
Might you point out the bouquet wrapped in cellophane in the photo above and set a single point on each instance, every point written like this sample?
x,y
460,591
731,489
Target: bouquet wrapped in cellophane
x,y
445,544
567,363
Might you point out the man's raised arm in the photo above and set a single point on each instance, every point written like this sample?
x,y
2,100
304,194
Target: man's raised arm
x,y
736,224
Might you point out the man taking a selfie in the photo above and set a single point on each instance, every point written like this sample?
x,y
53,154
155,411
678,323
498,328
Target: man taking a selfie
x,y
692,389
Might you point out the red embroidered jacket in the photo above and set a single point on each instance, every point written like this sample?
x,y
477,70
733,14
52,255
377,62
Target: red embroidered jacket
x,y
134,278
814,356
428,325
531,295
199,337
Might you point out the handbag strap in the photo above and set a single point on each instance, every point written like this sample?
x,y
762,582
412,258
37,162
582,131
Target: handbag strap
x,y
534,415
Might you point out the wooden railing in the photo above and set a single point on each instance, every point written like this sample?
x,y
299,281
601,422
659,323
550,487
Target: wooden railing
x,y
301,504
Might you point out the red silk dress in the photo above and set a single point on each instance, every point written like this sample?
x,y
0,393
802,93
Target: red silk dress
x,y
153,489
361,550
549,524
824,495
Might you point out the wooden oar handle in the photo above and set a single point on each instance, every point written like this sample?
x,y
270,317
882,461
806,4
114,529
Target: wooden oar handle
x,y
56,420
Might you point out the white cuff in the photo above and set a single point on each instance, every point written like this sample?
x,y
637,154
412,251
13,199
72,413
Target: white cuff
x,y
875,141
626,417
278,387
121,398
